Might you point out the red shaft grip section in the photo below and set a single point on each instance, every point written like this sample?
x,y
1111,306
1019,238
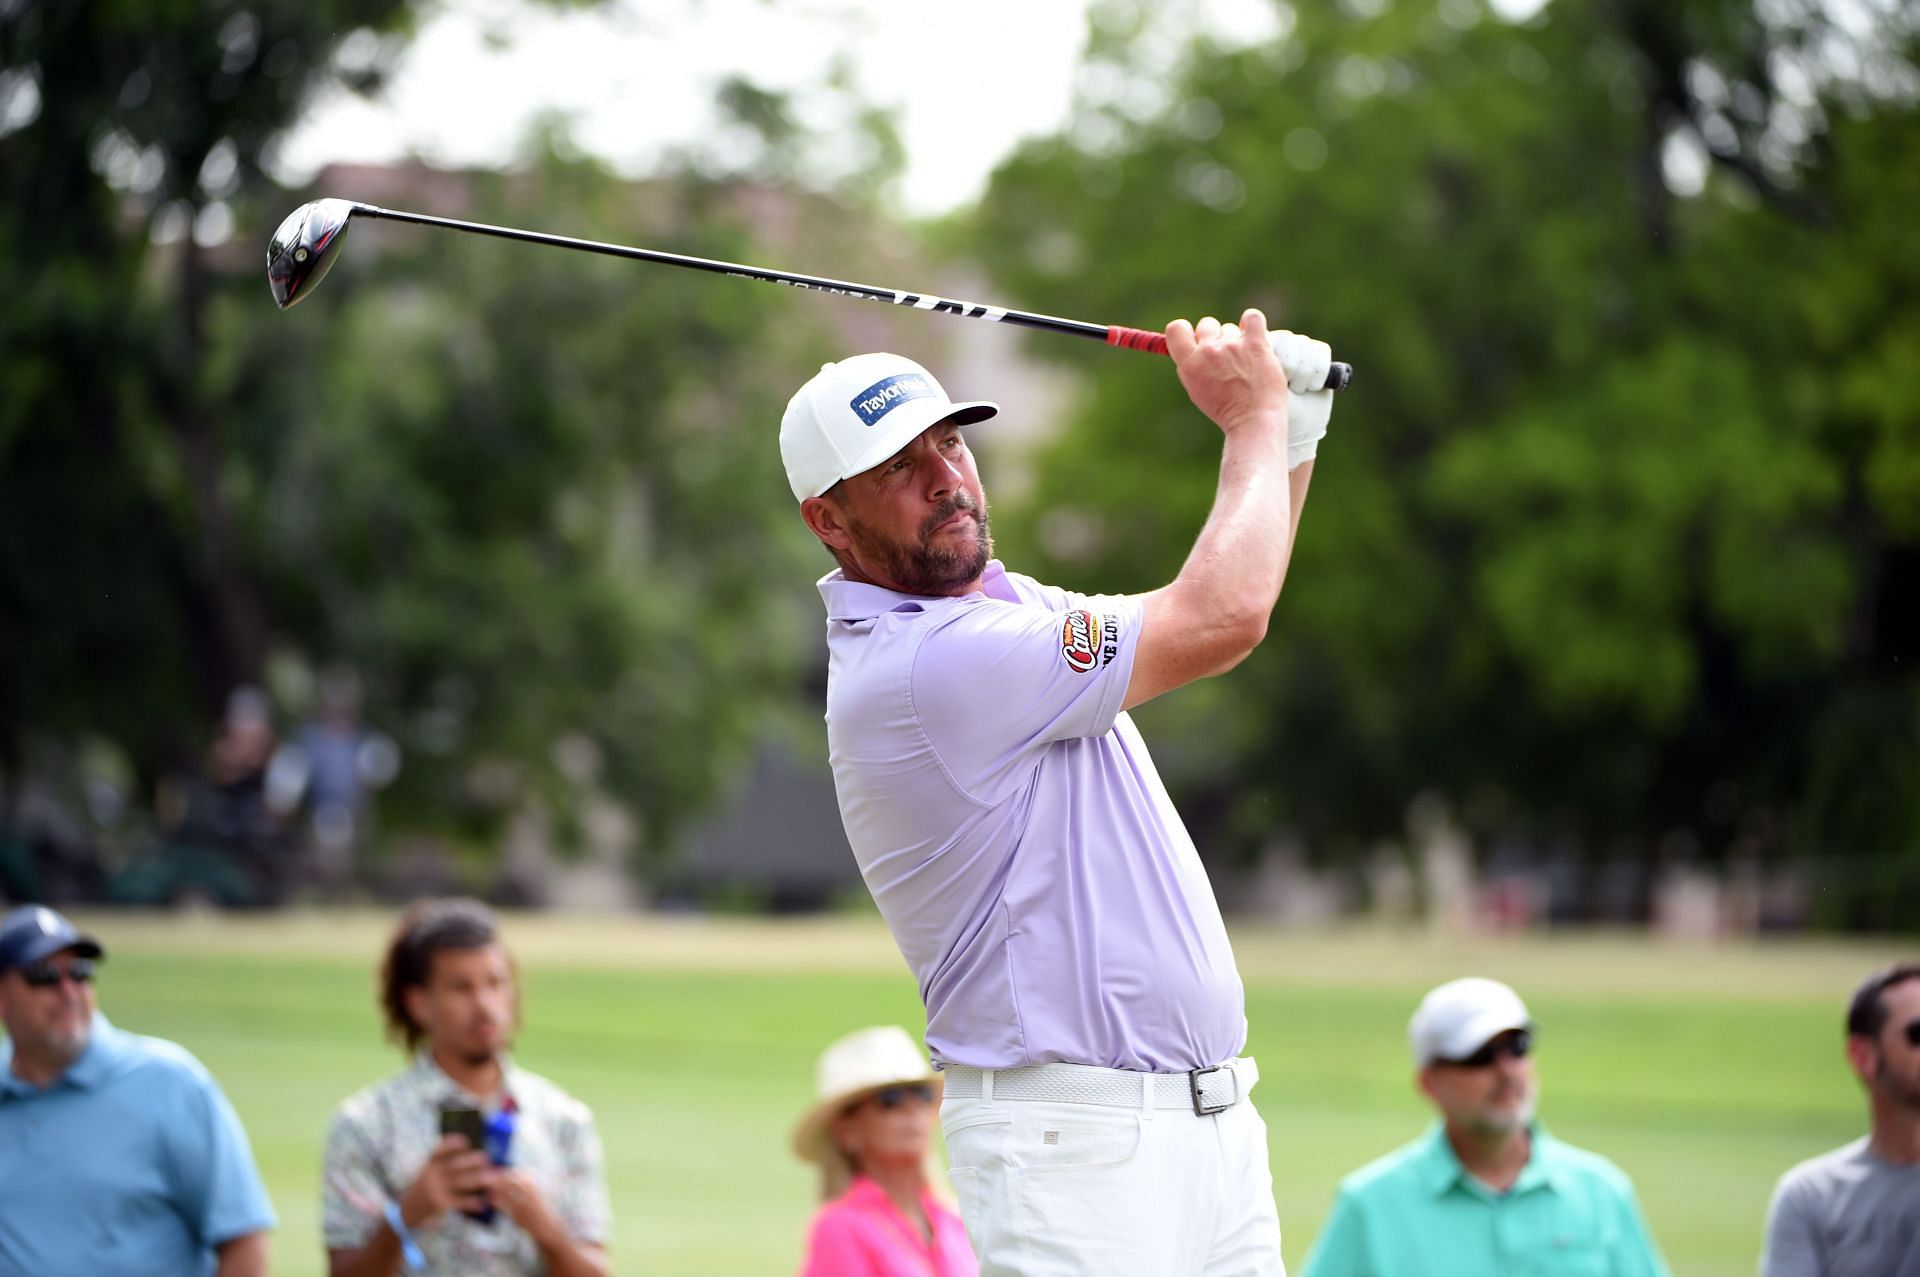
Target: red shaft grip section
x,y
1137,339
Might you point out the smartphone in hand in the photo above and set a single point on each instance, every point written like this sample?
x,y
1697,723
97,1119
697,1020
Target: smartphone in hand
x,y
470,1124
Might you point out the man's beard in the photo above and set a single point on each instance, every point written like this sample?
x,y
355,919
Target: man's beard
x,y
928,569
63,1050
1512,1115
1902,1090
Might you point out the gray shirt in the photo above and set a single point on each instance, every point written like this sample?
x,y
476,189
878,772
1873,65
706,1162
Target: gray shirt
x,y
1844,1214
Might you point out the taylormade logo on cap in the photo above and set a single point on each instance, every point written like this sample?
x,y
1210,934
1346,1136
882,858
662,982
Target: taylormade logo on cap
x,y
854,414
877,400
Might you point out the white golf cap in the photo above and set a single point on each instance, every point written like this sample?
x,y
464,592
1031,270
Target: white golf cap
x,y
855,1066
1461,1016
854,414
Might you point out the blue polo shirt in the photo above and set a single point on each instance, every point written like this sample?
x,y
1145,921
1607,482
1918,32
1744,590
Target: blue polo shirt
x,y
1417,1213
130,1164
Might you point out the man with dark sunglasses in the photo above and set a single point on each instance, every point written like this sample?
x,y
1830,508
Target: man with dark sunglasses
x,y
1855,1212
1486,1191
119,1156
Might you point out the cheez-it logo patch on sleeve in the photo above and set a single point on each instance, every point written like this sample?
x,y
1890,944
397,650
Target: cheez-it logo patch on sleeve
x,y
1080,640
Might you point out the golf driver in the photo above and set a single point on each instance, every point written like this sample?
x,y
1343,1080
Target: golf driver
x,y
308,242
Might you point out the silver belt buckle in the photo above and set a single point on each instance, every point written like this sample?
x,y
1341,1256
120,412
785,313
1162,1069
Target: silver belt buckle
x,y
1201,1105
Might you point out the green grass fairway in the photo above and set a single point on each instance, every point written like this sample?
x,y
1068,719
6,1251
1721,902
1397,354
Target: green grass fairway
x,y
1703,1071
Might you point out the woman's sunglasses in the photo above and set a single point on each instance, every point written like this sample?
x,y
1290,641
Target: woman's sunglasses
x,y
47,973
1516,1044
892,1097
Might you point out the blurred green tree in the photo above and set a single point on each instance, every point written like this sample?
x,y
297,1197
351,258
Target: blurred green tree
x,y
526,496
532,495
1614,539
127,605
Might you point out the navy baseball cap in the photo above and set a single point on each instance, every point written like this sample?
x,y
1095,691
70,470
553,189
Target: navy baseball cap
x,y
33,932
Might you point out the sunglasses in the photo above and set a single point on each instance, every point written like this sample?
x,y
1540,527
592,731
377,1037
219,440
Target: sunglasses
x,y
1516,1044
892,1097
1912,1032
45,974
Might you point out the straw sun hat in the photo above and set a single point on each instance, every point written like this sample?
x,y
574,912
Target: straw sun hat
x,y
852,1068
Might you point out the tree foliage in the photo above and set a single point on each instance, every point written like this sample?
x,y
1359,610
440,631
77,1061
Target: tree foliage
x,y
1614,536
530,497
125,602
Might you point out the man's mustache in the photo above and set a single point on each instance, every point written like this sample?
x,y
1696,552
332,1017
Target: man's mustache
x,y
947,509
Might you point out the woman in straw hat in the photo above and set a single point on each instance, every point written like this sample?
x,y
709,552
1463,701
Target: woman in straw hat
x,y
871,1133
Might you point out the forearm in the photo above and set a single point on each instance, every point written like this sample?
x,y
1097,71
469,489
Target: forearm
x,y
243,1256
566,1256
1299,479
380,1257
1238,561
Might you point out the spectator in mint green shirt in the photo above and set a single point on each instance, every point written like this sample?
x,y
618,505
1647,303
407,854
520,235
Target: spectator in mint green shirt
x,y
1486,1192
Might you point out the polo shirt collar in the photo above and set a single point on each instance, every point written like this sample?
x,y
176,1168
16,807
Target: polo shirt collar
x,y
106,1047
434,1083
1439,1167
859,601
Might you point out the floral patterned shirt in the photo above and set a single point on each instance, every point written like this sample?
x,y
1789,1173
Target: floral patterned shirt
x,y
382,1136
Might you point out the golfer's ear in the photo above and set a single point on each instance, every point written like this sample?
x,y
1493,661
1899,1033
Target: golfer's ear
x,y
824,519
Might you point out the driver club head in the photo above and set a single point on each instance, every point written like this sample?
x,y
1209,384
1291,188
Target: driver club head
x,y
303,249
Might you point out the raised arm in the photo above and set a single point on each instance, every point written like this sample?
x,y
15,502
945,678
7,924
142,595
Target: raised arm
x,y
1210,616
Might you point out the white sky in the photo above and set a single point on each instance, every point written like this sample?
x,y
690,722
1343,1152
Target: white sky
x,y
637,76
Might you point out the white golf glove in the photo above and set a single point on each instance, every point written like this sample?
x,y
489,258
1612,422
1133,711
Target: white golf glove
x,y
1308,405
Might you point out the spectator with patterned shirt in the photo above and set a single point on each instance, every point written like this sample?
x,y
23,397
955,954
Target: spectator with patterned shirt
x,y
400,1196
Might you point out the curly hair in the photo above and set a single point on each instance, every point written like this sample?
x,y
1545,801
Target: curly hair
x,y
427,928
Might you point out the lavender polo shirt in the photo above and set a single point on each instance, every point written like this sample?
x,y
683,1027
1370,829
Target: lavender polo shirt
x,y
1014,833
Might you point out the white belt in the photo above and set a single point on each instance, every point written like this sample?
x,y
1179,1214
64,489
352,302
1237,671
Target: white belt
x,y
1202,1091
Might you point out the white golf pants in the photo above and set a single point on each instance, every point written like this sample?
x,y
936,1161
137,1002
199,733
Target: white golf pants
x,y
1049,1189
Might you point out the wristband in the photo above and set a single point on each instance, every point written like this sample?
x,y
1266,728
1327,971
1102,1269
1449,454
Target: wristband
x,y
410,1253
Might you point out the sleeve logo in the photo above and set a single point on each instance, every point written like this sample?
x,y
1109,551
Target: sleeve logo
x,y
1080,641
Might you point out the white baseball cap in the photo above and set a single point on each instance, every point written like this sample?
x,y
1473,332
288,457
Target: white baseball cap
x,y
1461,1016
854,414
864,1061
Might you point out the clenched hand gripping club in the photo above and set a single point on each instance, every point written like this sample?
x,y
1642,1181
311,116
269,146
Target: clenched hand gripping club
x,y
308,242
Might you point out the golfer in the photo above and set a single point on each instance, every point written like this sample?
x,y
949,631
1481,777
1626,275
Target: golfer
x,y
1082,998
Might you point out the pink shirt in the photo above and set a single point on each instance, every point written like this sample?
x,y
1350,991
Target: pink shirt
x,y
863,1234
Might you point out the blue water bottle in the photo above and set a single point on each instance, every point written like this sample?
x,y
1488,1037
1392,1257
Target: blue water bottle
x,y
499,1146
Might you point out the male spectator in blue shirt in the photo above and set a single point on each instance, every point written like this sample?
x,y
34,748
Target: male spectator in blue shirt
x,y
119,1156
1486,1192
